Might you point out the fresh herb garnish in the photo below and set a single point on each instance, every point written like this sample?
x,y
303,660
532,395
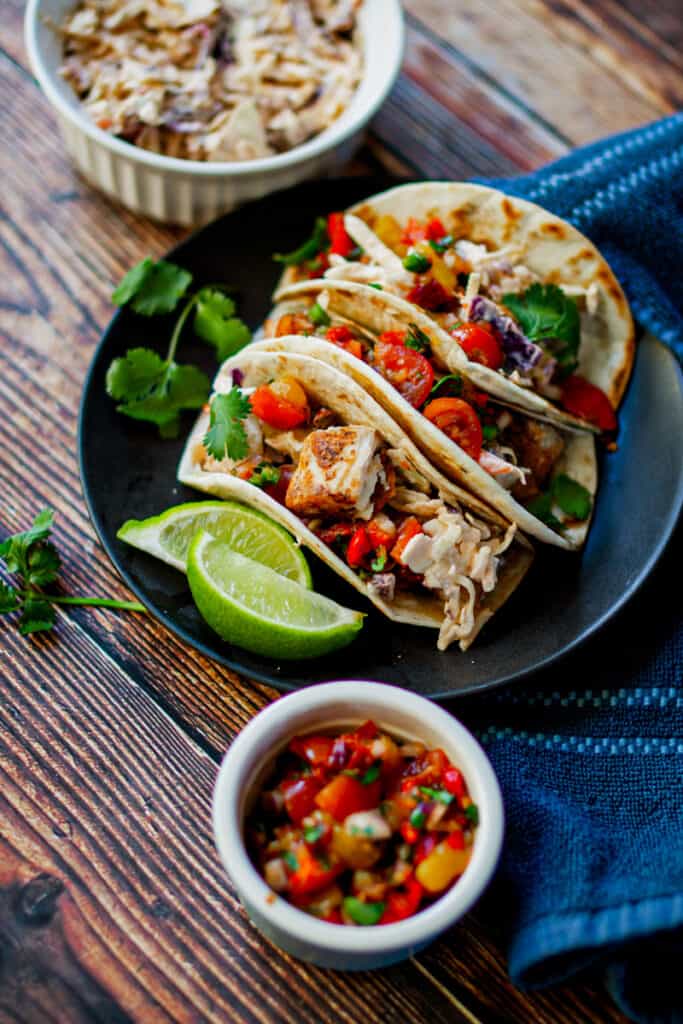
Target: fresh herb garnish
x,y
215,322
318,316
309,249
264,475
442,796
545,313
542,508
418,340
290,860
145,385
377,285
472,814
34,559
416,262
152,288
226,434
312,835
372,774
571,496
417,818
454,382
489,431
441,244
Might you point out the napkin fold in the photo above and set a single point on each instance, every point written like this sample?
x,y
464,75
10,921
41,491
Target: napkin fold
x,y
590,753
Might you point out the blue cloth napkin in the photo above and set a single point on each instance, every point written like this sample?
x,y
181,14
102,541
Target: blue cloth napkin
x,y
590,754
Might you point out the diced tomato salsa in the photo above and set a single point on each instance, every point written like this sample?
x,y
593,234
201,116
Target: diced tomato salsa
x,y
358,828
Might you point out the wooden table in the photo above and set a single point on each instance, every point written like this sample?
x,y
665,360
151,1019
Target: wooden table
x,y
113,906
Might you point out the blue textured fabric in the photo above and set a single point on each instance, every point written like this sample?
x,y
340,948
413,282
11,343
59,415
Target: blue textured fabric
x,y
590,754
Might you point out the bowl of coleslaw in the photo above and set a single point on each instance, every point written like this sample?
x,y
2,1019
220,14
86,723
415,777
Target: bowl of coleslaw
x,y
183,109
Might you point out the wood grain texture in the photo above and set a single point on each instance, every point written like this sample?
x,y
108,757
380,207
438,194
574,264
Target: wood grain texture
x,y
112,904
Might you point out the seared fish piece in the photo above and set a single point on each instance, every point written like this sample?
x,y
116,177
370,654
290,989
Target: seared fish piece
x,y
338,472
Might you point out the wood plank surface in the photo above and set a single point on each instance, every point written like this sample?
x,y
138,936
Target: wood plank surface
x,y
113,906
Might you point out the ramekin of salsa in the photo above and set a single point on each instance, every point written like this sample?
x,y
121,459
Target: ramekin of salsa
x,y
357,821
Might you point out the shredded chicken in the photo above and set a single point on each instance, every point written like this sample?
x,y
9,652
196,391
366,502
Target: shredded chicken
x,y
213,79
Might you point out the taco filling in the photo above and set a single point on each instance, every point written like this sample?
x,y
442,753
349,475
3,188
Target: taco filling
x,y
497,310
363,499
520,453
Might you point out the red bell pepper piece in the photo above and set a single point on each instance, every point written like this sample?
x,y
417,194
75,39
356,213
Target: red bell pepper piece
x,y
310,875
360,545
454,782
341,242
346,794
300,797
314,749
408,529
403,902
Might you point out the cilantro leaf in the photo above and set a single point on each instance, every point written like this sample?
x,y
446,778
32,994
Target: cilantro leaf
x,y
180,387
309,249
42,564
545,313
38,616
14,549
9,599
226,434
571,496
152,288
418,340
452,382
135,375
541,507
214,322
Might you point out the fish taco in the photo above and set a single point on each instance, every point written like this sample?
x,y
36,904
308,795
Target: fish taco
x,y
526,306
537,475
292,436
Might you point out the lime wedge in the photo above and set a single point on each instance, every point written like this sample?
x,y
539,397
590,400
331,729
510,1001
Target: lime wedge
x,y
243,529
252,606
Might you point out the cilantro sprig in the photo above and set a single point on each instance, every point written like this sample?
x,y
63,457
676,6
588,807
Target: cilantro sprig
x,y
418,340
226,434
551,318
568,495
155,389
32,558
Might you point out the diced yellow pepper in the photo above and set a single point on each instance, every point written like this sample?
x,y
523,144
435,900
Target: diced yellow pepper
x,y
443,274
443,865
389,230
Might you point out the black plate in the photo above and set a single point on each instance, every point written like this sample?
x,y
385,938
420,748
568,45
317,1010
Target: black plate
x,y
128,472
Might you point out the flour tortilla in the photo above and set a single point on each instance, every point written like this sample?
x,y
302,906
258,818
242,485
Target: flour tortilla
x,y
549,246
340,393
578,459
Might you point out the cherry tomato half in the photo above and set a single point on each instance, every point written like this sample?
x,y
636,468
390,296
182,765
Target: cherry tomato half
x,y
479,344
341,242
459,421
282,404
406,369
585,400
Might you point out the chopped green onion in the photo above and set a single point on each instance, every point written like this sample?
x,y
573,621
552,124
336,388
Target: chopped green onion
x,y
416,262
363,913
290,860
264,474
377,564
318,316
489,432
442,796
472,814
375,284
312,835
372,774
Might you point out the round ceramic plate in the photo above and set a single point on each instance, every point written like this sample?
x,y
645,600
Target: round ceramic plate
x,y
129,472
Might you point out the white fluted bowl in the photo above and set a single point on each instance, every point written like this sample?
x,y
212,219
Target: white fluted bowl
x,y
192,191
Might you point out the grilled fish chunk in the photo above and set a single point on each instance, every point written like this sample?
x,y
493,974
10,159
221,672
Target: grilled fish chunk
x,y
338,472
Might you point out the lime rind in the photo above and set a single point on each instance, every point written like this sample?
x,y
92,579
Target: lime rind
x,y
250,605
248,531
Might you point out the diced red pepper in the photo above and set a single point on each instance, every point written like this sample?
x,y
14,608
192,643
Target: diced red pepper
x,y
338,334
414,231
408,529
409,832
314,749
367,731
311,875
454,782
403,902
456,840
300,797
346,794
341,242
393,337
435,230
360,545
433,296
380,534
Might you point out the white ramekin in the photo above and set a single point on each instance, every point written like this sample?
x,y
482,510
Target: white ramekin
x,y
190,191
328,706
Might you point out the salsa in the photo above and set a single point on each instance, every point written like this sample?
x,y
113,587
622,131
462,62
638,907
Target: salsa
x,y
361,829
